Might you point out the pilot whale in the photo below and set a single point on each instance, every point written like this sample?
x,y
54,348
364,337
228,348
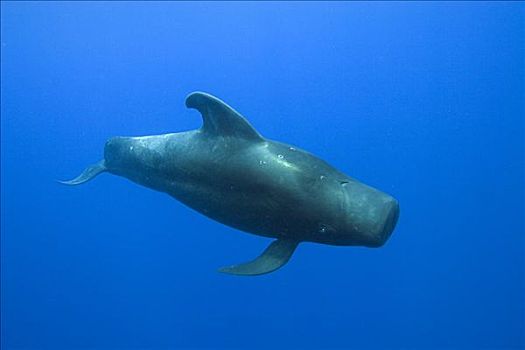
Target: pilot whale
x,y
227,171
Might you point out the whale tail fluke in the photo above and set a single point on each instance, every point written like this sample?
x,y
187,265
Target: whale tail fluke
x,y
89,173
274,257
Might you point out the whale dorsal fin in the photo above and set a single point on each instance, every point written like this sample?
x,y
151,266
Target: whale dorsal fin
x,y
219,118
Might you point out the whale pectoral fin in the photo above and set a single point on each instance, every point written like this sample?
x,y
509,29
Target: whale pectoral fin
x,y
89,173
275,256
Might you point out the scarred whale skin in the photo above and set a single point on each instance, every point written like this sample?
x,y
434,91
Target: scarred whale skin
x,y
227,171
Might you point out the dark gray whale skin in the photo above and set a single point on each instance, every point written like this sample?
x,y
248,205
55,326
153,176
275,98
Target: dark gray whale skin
x,y
227,171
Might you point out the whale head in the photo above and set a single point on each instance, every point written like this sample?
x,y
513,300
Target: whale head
x,y
349,212
370,215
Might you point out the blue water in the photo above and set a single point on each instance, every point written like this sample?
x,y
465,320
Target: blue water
x,y
422,100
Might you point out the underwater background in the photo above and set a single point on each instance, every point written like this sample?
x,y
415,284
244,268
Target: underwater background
x,y
424,101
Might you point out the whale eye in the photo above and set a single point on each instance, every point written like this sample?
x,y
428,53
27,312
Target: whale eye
x,y
325,228
343,183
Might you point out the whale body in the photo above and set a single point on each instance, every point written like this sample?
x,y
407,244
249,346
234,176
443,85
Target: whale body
x,y
227,171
